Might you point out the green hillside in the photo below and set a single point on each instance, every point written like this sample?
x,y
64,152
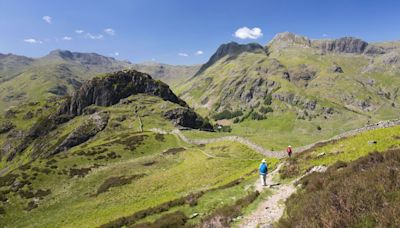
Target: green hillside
x,y
107,160
59,73
296,91
362,177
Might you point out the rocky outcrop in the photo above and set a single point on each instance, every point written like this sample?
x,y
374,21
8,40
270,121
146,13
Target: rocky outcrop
x,y
336,69
374,50
232,50
342,45
187,118
302,74
95,123
286,39
110,89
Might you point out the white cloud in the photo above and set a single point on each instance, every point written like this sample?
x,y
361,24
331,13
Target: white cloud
x,y
116,53
183,54
47,19
109,31
325,35
94,37
247,33
79,31
32,41
199,52
67,38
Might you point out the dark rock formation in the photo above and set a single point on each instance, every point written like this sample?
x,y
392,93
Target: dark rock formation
x,y
96,123
336,69
186,117
311,105
302,74
232,50
6,127
110,89
342,45
374,50
286,75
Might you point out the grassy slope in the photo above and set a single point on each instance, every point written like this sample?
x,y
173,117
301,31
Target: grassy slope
x,y
346,150
72,201
282,127
360,189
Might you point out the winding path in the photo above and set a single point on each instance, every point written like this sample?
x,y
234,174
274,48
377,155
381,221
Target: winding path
x,y
277,154
271,210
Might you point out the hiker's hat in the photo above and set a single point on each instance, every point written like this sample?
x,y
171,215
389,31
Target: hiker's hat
x,y
290,146
263,161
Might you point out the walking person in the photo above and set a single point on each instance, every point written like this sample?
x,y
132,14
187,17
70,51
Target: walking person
x,y
289,151
263,172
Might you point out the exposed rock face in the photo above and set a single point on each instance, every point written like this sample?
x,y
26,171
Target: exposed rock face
x,y
96,123
374,50
302,74
285,39
109,90
231,49
342,45
186,117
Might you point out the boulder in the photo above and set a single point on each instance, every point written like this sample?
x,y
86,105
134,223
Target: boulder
x,y
336,69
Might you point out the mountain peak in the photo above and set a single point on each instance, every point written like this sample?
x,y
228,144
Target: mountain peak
x,y
83,58
231,49
285,39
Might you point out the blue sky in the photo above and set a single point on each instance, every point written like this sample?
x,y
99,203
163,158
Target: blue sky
x,y
183,31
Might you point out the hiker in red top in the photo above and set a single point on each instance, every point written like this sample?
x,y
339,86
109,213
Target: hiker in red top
x,y
289,151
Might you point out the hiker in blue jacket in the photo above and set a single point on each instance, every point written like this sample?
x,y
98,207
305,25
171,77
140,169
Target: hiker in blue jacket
x,y
263,172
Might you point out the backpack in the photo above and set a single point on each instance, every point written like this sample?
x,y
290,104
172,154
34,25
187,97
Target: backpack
x,y
263,168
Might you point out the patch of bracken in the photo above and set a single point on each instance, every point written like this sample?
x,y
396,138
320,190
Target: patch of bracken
x,y
160,137
174,151
31,205
117,181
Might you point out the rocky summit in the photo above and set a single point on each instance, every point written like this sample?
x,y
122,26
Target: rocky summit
x,y
111,88
231,50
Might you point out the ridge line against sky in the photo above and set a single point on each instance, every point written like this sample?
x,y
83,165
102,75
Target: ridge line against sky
x,y
183,31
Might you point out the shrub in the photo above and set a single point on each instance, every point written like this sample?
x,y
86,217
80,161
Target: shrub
x,y
226,114
268,99
257,116
290,170
266,110
174,219
220,128
116,182
362,193
223,216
